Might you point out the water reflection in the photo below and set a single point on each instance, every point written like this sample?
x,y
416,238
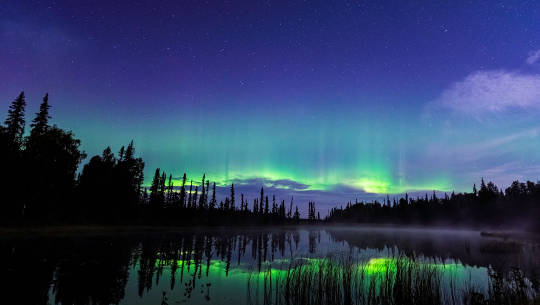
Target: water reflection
x,y
228,266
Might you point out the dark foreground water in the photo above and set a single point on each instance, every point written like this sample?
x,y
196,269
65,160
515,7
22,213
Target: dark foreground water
x,y
307,265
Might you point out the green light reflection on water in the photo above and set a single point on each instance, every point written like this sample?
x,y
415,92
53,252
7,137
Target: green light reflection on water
x,y
237,282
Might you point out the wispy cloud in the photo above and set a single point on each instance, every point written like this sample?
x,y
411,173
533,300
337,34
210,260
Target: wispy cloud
x,y
492,91
505,173
533,57
471,152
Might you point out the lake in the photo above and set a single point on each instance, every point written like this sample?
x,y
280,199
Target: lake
x,y
289,265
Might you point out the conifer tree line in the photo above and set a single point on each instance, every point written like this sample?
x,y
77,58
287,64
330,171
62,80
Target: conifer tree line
x,y
109,188
199,201
517,206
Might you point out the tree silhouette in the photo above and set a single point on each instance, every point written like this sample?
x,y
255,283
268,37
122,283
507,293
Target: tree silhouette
x,y
213,202
190,195
41,122
289,214
162,188
202,197
194,199
255,206
296,216
261,202
11,161
206,194
183,192
14,128
54,155
232,197
311,211
170,193
155,189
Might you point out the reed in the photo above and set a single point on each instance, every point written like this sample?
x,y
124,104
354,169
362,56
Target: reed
x,y
394,281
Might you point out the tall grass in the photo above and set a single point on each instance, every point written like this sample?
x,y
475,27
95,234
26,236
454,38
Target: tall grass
x,y
395,281
512,288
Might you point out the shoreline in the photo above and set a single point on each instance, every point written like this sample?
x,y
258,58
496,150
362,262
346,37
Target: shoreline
x,y
59,230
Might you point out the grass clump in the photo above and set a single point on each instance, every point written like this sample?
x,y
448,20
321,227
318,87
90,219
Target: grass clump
x,y
386,281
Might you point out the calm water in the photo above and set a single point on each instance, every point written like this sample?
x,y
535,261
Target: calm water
x,y
221,266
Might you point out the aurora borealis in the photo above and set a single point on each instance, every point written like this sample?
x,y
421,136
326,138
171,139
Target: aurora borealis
x,y
319,100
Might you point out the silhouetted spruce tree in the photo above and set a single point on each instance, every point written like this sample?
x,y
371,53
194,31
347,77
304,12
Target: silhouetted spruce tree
x,y
162,187
11,163
170,190
41,122
261,202
121,153
108,157
206,194
227,204
183,192
54,156
128,175
14,122
296,216
266,206
145,196
155,189
189,206
213,201
194,199
202,196
282,210
232,197
289,214
311,211
130,151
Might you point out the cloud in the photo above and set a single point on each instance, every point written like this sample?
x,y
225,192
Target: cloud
x,y
492,91
280,183
534,56
505,173
471,152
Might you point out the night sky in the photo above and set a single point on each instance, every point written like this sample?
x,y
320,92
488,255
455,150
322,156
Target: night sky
x,y
323,100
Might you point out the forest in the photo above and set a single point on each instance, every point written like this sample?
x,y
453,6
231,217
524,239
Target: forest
x,y
518,206
109,190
